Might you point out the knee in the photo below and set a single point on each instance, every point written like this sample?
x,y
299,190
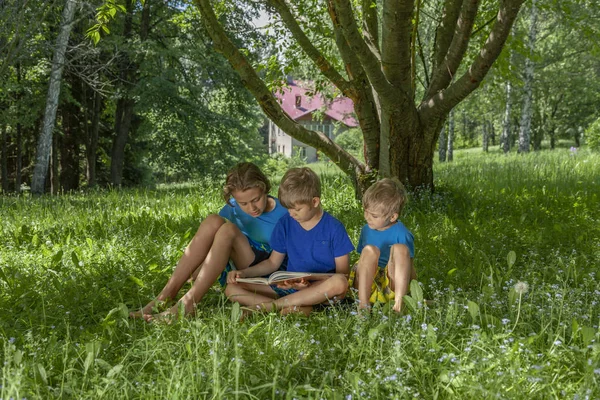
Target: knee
x,y
338,285
400,250
369,258
228,231
213,221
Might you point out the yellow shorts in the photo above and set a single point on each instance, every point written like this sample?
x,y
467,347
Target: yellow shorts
x,y
381,290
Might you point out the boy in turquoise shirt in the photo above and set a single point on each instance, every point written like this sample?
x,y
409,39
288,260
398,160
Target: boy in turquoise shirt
x,y
385,268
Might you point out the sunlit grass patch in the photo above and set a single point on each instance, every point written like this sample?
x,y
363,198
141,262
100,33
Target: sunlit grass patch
x,y
71,266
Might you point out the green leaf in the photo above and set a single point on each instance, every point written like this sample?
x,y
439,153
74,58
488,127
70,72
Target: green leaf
x,y
452,271
42,373
587,335
74,258
236,312
57,258
511,258
114,370
411,303
473,309
90,243
137,281
415,291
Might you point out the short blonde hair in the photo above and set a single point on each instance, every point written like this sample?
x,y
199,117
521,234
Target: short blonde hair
x,y
299,186
387,196
245,176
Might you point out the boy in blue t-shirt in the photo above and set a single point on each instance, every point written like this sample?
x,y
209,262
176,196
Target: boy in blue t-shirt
x,y
313,241
385,268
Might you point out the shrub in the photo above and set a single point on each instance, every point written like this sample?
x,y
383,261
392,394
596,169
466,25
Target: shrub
x,y
592,135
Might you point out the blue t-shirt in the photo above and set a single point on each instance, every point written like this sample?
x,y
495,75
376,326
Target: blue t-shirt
x,y
384,240
314,250
257,229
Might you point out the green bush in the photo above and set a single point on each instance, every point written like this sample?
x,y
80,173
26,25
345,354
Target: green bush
x,y
592,135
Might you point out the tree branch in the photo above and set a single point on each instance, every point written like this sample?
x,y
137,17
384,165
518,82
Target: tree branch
x,y
372,66
445,32
268,102
443,101
445,71
396,40
370,22
320,61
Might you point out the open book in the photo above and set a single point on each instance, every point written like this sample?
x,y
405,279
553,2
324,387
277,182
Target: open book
x,y
280,276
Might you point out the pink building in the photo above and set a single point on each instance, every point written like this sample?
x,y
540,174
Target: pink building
x,y
336,117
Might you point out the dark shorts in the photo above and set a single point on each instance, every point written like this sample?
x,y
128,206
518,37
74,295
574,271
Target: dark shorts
x,y
259,256
282,292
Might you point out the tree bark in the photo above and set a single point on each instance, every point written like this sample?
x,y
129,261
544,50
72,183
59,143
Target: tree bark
x,y
4,159
54,170
450,152
69,147
442,144
527,112
92,140
45,140
486,135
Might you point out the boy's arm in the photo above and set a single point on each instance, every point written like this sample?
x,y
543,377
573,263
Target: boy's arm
x,y
342,264
265,267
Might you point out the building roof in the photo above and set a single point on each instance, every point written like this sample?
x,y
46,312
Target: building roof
x,y
340,109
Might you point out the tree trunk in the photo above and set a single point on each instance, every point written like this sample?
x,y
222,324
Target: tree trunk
x,y
45,140
69,148
486,135
492,133
505,137
4,159
450,152
124,114
54,174
19,159
442,144
92,142
527,112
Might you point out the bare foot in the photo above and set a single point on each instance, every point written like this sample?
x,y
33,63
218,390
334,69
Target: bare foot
x,y
306,310
147,310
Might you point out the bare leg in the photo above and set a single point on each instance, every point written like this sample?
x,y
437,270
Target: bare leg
x,y
365,273
229,242
317,293
190,261
248,294
400,272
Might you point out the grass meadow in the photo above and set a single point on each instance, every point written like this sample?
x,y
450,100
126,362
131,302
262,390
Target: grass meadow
x,y
507,250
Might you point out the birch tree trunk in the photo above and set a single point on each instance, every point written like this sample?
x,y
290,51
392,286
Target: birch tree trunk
x,y
450,152
505,136
486,135
527,112
45,141
442,144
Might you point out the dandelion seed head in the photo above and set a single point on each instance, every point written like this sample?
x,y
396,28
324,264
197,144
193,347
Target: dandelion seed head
x,y
521,287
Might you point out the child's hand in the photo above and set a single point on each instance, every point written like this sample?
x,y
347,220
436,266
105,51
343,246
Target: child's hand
x,y
233,275
294,284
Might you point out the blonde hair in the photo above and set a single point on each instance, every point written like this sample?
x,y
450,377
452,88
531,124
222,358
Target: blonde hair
x,y
299,186
387,196
245,176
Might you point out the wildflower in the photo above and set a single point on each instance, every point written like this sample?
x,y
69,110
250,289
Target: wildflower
x,y
424,326
505,321
11,340
521,287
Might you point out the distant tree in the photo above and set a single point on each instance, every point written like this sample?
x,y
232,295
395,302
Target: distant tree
x,y
45,140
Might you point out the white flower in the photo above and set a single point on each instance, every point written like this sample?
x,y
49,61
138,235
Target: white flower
x,y
521,287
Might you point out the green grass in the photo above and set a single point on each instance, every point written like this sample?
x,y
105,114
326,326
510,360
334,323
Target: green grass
x,y
71,265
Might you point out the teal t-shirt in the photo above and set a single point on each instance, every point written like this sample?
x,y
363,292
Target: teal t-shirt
x,y
257,229
395,234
